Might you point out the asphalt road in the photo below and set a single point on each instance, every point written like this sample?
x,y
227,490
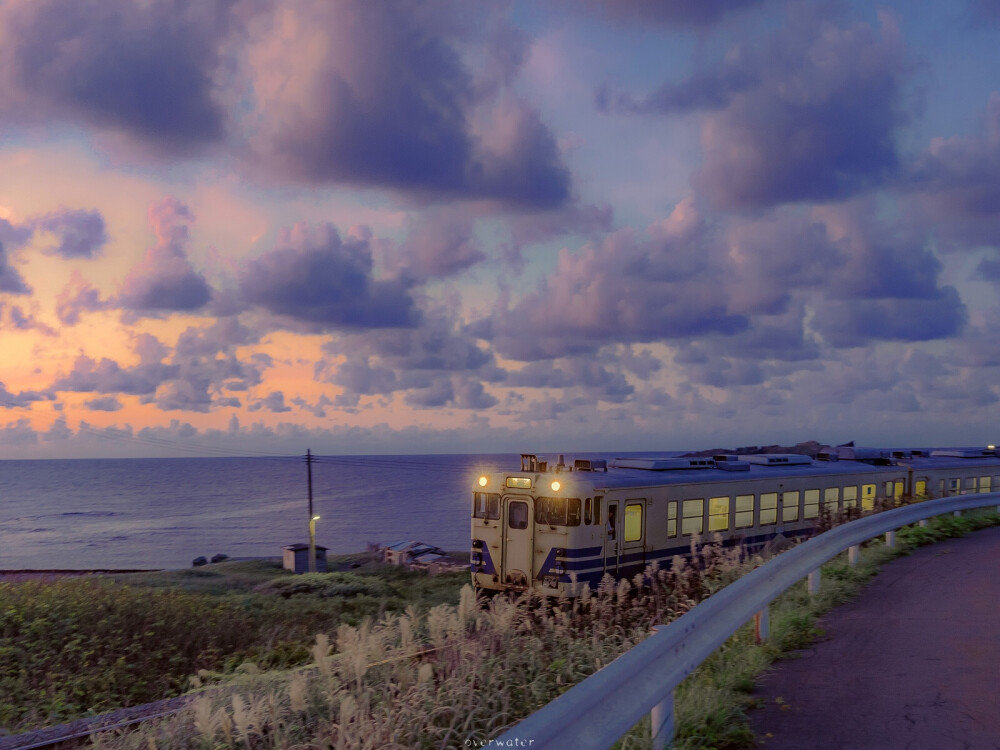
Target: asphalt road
x,y
913,663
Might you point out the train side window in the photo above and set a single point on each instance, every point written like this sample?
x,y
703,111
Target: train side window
x,y
898,494
597,511
996,481
831,499
693,520
517,515
612,520
790,506
587,511
867,496
768,507
672,518
985,484
851,497
970,486
920,488
633,522
941,489
954,486
744,512
810,505
718,514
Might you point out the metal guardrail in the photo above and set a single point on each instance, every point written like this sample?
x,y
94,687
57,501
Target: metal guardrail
x,y
598,711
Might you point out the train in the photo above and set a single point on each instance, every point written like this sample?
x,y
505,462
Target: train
x,y
556,526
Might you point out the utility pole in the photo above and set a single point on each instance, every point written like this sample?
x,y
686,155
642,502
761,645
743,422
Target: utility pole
x,y
312,518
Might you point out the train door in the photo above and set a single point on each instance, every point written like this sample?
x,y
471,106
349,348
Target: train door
x,y
612,541
633,549
518,540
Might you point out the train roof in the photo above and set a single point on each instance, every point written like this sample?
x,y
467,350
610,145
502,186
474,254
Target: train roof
x,y
584,476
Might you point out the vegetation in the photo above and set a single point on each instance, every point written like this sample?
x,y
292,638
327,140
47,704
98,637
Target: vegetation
x,y
454,672
78,646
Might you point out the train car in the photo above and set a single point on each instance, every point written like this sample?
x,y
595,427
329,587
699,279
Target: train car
x,y
546,524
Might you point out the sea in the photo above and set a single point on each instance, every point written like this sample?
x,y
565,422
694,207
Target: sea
x,y
161,513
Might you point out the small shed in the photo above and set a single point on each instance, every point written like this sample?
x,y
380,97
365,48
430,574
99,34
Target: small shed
x,y
297,558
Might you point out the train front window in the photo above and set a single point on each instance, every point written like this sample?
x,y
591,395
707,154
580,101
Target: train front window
x,y
744,512
718,514
768,508
790,506
693,520
485,505
517,515
558,511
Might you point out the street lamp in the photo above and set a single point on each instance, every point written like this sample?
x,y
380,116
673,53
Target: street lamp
x,y
312,543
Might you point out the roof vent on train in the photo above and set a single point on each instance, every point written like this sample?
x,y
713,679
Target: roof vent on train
x,y
851,452
963,452
777,459
728,462
590,464
663,464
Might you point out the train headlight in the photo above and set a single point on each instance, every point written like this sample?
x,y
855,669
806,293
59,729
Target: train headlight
x,y
484,480
556,485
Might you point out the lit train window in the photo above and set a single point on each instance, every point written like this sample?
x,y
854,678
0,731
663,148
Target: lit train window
x,y
633,522
850,497
718,514
941,489
970,486
517,515
693,521
888,489
898,493
920,488
486,505
790,506
867,496
768,508
985,484
831,499
672,519
744,512
810,505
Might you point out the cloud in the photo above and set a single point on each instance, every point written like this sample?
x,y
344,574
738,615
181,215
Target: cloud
x,y
689,13
105,403
81,233
165,280
10,400
957,184
812,115
146,69
440,242
274,402
315,277
79,296
602,382
857,322
11,238
625,289
107,376
378,94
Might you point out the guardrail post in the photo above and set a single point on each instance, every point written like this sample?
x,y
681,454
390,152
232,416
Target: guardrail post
x,y
662,722
923,522
890,539
762,625
852,554
957,514
814,578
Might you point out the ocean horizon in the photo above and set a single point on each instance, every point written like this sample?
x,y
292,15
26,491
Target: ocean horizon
x,y
85,514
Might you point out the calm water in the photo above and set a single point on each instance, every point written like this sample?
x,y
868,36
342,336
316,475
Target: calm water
x,y
162,513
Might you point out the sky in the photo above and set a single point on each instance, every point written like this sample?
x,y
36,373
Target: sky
x,y
239,226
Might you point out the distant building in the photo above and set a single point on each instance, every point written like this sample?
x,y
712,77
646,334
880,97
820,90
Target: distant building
x,y
297,558
418,556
